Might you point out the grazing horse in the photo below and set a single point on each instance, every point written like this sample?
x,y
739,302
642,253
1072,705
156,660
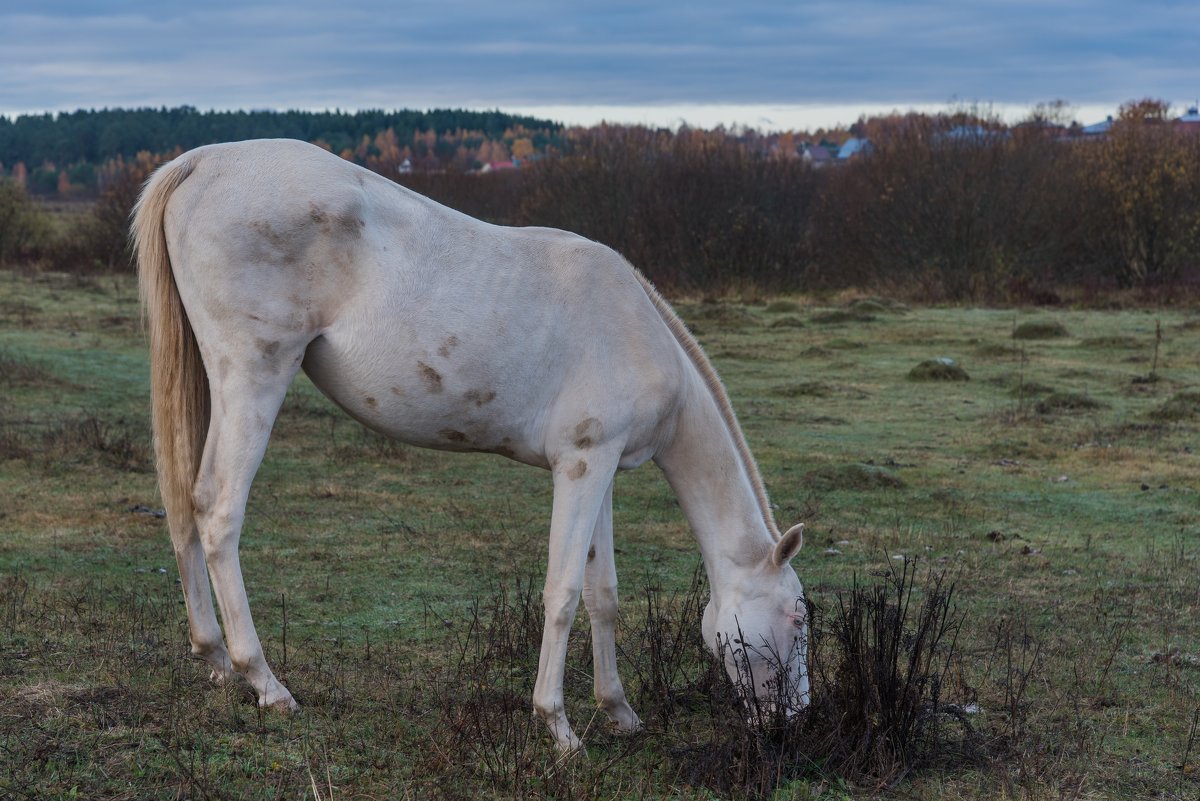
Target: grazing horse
x,y
259,259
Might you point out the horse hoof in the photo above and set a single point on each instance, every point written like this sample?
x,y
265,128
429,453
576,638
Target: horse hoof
x,y
220,677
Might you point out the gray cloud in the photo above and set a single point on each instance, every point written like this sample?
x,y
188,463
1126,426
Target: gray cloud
x,y
300,53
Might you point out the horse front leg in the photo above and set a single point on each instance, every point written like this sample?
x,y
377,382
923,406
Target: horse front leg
x,y
600,599
580,487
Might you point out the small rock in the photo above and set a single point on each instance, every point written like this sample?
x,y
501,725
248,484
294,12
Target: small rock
x,y
1029,550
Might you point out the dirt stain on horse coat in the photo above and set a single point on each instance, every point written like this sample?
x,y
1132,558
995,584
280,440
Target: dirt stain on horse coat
x,y
431,378
587,432
479,397
577,470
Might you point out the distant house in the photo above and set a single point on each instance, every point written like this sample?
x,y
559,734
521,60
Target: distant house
x,y
1190,121
854,147
972,135
405,167
495,166
817,155
1098,128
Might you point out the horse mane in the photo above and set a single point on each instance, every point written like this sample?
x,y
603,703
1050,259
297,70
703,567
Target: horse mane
x,y
711,380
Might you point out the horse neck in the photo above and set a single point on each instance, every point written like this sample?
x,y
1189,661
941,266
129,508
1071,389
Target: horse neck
x,y
716,490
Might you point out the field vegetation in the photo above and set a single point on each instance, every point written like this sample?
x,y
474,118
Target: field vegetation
x,y
1003,572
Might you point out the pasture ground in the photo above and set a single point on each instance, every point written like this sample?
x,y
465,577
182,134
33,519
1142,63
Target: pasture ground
x,y
395,589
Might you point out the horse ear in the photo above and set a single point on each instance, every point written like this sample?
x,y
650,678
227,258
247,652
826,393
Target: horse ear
x,y
789,545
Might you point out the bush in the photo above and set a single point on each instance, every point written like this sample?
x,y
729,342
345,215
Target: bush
x,y
698,210
24,227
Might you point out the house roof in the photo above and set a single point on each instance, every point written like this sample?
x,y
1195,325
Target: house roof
x,y
853,147
817,153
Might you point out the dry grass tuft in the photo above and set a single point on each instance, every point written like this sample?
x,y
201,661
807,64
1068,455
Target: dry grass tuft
x,y
1183,406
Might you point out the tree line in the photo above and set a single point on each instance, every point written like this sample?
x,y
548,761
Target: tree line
x,y
71,151
950,206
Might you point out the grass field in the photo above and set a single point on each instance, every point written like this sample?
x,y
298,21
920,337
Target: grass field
x,y
396,589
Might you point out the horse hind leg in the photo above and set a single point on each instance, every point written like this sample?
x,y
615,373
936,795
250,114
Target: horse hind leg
x,y
245,401
203,630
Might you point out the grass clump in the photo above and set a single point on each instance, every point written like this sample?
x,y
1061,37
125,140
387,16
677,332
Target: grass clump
x,y
938,370
1040,329
790,321
782,307
1183,406
842,316
857,477
1067,402
1030,388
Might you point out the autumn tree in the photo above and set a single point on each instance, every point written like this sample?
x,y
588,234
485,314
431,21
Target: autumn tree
x,y
522,148
1144,179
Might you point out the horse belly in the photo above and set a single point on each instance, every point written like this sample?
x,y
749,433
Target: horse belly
x,y
433,397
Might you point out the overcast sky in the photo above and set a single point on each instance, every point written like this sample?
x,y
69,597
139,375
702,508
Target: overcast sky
x,y
768,65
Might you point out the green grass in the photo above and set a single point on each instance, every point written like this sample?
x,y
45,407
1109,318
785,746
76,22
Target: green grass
x,y
1072,531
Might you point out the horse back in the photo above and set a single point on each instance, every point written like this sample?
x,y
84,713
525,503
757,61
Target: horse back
x,y
421,322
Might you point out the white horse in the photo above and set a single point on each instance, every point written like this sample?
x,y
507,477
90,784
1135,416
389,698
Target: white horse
x,y
258,259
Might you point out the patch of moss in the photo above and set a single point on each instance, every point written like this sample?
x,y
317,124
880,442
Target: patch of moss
x,y
790,321
842,316
938,370
857,476
996,351
1184,406
1040,329
1067,402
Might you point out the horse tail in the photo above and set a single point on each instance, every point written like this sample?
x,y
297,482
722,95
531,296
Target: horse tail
x,y
178,382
